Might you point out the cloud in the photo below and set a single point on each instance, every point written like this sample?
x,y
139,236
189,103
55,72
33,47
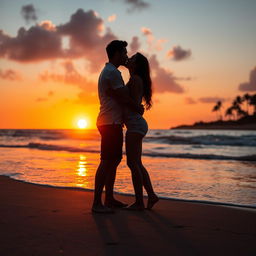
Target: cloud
x,y
159,44
136,5
112,18
70,76
28,12
251,85
50,93
40,99
153,44
10,74
211,99
177,53
34,44
163,80
47,25
85,32
146,31
87,98
190,100
134,45
86,37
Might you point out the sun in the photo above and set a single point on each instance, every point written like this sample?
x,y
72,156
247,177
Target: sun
x,y
82,123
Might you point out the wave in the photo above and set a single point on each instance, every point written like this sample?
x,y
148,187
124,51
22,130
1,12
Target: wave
x,y
41,146
50,134
218,140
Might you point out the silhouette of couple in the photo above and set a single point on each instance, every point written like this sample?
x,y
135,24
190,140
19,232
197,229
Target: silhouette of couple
x,y
121,104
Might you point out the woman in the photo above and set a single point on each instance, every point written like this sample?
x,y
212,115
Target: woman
x,y
140,90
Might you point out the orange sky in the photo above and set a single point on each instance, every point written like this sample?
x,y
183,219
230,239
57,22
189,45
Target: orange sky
x,y
49,66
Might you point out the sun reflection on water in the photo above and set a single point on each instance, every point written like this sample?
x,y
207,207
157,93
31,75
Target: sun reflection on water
x,y
82,170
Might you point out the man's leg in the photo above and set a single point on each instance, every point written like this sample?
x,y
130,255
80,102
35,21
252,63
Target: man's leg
x,y
110,180
100,179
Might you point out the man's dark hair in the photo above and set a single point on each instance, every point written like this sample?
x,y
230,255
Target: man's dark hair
x,y
115,46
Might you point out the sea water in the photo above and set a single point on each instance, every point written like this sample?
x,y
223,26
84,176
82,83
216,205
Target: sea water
x,y
204,165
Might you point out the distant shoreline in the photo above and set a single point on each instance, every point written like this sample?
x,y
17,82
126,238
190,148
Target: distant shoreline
x,y
246,123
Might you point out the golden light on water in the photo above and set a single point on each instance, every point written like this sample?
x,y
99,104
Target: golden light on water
x,y
81,170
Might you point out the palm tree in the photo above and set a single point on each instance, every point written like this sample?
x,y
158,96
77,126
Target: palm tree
x,y
236,105
253,103
217,108
229,112
247,98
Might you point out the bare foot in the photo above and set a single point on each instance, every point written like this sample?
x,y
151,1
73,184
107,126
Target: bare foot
x,y
152,200
101,209
115,204
135,207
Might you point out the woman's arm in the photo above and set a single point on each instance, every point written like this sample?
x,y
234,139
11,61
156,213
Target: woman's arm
x,y
136,88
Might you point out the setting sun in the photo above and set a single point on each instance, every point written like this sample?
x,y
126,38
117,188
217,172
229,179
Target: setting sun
x,y
82,123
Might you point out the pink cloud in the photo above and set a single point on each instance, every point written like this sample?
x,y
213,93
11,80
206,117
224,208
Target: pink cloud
x,y
112,18
70,76
134,45
10,74
164,80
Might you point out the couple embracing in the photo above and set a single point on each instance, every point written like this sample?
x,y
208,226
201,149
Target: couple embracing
x,y
121,104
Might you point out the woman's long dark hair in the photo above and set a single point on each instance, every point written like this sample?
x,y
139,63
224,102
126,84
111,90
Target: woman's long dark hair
x,y
142,69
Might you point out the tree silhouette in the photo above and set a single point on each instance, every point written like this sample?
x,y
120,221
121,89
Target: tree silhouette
x,y
247,98
252,102
217,109
229,112
235,111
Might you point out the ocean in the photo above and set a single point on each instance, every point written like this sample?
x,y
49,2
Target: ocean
x,y
216,166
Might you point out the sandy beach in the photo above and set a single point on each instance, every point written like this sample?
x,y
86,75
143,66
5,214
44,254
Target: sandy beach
x,y
43,220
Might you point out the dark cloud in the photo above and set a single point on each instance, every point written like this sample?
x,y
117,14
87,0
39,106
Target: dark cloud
x,y
10,74
44,41
177,53
28,12
190,101
163,80
134,45
211,99
86,39
251,85
136,5
33,44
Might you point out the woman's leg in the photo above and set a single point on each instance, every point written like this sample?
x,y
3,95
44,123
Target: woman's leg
x,y
152,197
133,143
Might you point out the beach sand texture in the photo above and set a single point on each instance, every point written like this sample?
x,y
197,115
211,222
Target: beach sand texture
x,y
43,220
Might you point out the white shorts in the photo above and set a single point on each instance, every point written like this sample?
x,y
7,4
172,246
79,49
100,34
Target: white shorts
x,y
136,124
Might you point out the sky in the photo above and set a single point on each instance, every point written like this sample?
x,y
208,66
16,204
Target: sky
x,y
51,54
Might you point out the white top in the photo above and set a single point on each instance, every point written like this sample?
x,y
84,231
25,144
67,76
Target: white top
x,y
110,111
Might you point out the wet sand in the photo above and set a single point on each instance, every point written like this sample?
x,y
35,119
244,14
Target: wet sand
x,y
43,220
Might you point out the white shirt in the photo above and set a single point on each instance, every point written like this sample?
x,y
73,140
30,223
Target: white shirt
x,y
110,111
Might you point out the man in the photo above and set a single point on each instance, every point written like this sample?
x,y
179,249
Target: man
x,y
109,123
